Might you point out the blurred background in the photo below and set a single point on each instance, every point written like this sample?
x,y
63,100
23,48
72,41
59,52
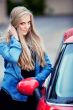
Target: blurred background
x,y
52,19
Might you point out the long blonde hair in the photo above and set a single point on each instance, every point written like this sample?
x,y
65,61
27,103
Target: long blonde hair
x,y
33,40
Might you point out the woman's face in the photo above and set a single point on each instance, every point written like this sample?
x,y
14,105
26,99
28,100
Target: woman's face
x,y
24,24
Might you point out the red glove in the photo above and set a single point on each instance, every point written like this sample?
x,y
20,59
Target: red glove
x,y
27,86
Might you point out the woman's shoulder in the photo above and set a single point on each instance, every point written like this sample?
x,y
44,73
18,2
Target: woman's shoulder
x,y
14,42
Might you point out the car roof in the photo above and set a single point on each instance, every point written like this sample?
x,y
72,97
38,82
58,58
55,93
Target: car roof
x,y
69,40
68,36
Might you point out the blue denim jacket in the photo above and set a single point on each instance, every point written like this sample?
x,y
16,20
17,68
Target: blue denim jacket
x,y
12,74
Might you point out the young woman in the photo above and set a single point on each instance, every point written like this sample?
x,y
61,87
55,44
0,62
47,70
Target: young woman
x,y
25,60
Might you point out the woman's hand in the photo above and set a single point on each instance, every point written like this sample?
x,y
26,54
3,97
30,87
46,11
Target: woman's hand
x,y
12,31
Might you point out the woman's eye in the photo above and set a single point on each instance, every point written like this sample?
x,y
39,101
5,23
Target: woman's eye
x,y
22,23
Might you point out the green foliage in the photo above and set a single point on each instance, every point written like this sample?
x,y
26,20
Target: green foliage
x,y
36,6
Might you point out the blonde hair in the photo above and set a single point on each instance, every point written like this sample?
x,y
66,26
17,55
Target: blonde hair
x,y
33,40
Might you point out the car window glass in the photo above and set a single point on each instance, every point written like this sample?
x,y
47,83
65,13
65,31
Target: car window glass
x,y
64,83
51,90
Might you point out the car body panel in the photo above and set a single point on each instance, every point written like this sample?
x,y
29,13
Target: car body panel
x,y
43,105
69,40
68,36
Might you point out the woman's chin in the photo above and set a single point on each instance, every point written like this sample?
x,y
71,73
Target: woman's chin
x,y
24,34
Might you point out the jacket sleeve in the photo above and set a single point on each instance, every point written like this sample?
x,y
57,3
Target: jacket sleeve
x,y
11,51
46,70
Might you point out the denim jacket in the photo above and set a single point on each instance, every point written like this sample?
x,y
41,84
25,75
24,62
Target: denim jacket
x,y
12,73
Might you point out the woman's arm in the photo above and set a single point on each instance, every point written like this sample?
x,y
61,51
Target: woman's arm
x,y
11,51
46,70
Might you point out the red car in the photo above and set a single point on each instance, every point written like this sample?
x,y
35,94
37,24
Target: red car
x,y
58,94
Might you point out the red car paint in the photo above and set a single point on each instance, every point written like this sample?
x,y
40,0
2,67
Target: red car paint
x,y
43,105
68,36
69,40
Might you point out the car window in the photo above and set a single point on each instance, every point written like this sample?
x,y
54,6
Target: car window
x,y
51,91
61,86
64,87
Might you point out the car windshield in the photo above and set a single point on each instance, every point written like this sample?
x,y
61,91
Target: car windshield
x,y
62,86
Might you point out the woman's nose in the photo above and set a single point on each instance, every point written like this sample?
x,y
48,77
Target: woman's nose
x,y
27,26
